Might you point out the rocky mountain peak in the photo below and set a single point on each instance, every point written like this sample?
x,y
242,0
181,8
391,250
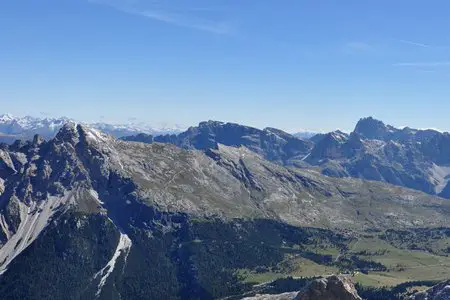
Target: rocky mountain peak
x,y
210,123
74,133
339,136
371,128
68,133
334,137
329,146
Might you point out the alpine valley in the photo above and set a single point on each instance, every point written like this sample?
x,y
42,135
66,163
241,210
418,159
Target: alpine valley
x,y
224,211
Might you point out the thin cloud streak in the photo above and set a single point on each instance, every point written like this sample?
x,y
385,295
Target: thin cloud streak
x,y
424,45
187,21
177,19
412,43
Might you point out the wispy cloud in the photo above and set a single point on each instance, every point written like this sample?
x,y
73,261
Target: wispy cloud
x,y
424,45
412,43
217,27
429,64
183,17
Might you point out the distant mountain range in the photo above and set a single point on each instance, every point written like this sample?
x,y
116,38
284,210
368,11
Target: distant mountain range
x,y
413,158
12,128
418,159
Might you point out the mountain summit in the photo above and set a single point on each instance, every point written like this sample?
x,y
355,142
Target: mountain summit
x,y
417,159
371,128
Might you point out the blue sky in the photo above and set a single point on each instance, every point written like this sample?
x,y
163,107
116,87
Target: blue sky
x,y
292,64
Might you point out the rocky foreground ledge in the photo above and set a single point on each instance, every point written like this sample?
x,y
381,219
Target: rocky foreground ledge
x,y
330,288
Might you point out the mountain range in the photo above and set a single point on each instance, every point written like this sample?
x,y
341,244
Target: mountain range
x,y
417,159
85,215
13,128
221,210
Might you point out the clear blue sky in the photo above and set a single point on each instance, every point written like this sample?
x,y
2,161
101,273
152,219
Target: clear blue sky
x,y
291,64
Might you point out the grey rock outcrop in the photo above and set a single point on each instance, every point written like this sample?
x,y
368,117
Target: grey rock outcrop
x,y
331,288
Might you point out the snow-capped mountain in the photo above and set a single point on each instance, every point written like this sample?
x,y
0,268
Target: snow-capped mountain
x,y
12,127
120,130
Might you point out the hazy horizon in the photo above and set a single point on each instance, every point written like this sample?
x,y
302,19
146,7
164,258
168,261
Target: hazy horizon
x,y
182,127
